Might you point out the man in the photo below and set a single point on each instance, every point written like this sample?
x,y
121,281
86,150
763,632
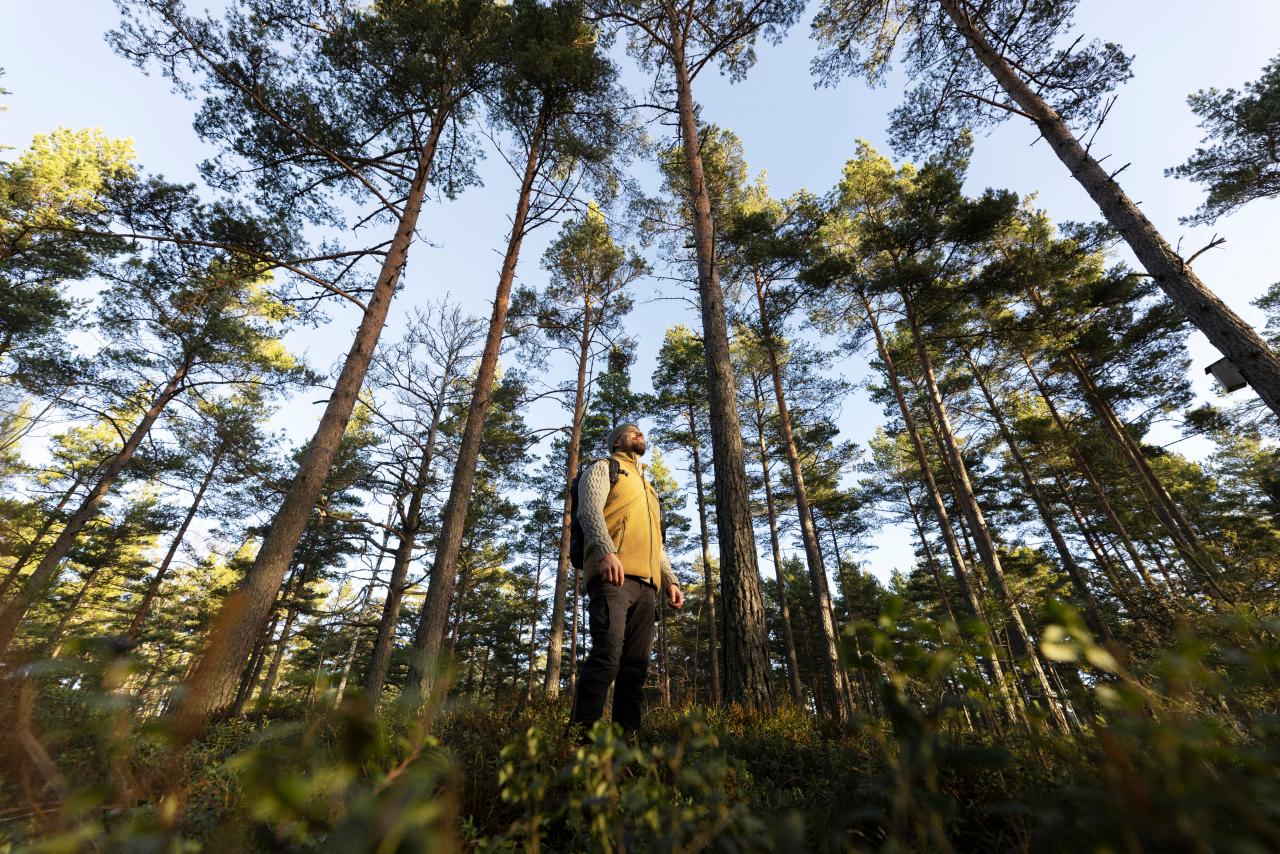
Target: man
x,y
625,566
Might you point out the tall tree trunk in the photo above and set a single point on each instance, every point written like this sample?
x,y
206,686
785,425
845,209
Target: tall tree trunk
x,y
1149,483
972,512
213,684
249,678
771,509
1095,484
828,643
746,653
429,638
39,579
704,540
1225,330
555,644
286,632
153,589
47,525
533,630
929,559
1092,611
346,668
958,565
410,524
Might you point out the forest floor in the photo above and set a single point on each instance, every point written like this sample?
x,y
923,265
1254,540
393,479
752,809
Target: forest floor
x,y
490,778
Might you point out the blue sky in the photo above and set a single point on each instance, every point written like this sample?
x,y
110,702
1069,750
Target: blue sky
x,y
61,73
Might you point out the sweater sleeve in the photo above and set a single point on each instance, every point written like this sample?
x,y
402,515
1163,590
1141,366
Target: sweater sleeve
x,y
593,491
668,574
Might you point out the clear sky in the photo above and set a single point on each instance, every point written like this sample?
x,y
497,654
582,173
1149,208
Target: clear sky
x,y
61,73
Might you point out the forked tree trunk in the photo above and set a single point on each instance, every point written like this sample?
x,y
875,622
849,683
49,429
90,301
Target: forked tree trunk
x,y
555,644
828,644
429,638
746,655
40,578
1225,330
212,687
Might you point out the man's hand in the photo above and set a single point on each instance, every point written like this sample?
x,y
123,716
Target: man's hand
x,y
674,596
611,569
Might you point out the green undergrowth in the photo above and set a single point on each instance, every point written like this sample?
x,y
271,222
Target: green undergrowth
x,y
1179,756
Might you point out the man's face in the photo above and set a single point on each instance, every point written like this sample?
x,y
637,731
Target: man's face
x,y
632,440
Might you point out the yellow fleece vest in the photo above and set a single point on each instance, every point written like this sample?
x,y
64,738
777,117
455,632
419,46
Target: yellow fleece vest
x,y
634,519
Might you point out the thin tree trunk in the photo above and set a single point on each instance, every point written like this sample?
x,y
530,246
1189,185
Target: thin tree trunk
x,y
1087,470
704,540
793,664
1225,330
929,559
346,668
50,518
958,565
249,678
53,645
273,672
1162,503
153,589
555,644
972,512
828,642
410,524
1092,611
746,654
429,638
212,686
39,579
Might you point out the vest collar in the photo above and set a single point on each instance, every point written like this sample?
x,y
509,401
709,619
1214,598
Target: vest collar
x,y
629,457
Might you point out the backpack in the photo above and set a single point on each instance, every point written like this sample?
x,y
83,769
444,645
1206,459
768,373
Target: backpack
x,y
577,544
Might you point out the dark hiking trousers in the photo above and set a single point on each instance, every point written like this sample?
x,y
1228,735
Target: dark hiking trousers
x,y
621,637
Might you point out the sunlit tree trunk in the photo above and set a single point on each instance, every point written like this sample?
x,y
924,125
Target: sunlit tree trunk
x,y
746,656
830,665
958,565
212,686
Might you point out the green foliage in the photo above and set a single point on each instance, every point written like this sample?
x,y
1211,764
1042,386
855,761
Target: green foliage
x,y
1243,162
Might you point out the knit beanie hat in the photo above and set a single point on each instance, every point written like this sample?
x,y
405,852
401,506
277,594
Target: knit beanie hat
x,y
616,433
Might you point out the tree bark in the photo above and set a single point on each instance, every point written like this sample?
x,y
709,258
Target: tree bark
x,y
39,579
429,638
1225,330
828,643
745,649
555,644
211,688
